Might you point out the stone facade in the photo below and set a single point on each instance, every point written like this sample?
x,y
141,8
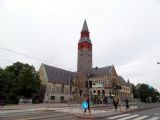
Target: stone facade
x,y
60,83
103,79
57,83
102,85
84,51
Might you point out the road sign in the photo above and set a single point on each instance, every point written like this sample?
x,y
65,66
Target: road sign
x,y
85,105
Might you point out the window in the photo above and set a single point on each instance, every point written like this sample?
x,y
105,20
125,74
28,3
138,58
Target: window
x,y
62,89
52,97
62,98
53,89
94,91
99,92
58,90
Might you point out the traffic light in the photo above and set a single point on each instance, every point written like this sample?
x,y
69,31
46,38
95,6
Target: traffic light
x,y
90,84
86,84
110,93
80,92
118,87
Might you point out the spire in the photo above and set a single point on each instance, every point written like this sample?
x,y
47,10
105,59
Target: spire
x,y
85,27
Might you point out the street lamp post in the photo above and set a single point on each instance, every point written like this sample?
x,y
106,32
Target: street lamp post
x,y
89,97
70,89
138,105
88,85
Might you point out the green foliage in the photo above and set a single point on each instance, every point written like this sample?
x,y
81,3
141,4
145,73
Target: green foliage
x,y
134,90
147,93
18,80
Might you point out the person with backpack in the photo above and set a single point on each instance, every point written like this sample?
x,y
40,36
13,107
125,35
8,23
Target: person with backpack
x,y
88,108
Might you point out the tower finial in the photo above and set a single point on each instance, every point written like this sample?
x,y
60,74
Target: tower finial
x,y
85,27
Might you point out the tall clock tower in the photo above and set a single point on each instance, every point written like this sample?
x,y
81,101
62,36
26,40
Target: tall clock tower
x,y
84,51
84,64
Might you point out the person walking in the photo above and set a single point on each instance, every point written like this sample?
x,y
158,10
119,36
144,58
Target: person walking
x,y
115,102
88,108
127,104
116,105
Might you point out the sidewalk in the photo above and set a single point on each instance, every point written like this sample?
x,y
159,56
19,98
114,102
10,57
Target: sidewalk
x,y
33,106
103,114
77,111
112,112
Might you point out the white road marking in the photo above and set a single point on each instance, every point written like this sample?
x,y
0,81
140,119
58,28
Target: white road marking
x,y
156,114
129,117
119,116
141,118
154,118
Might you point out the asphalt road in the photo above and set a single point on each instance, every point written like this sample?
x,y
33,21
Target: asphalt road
x,y
148,114
36,115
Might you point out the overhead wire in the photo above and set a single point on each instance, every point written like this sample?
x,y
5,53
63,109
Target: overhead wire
x,y
35,58
44,61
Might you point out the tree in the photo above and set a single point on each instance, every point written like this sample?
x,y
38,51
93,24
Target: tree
x,y
147,93
135,92
19,80
27,82
143,92
2,84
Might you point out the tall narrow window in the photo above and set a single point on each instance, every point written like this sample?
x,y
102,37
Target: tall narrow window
x,y
62,89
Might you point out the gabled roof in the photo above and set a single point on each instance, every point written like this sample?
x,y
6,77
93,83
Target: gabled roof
x,y
122,81
101,71
57,75
113,70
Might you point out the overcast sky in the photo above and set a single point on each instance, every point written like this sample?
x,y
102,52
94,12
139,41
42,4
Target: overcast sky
x,y
125,33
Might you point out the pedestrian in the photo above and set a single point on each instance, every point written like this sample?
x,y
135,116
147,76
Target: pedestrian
x,y
127,104
116,105
88,108
115,102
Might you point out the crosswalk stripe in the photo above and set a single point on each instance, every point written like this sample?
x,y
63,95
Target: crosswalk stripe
x,y
129,117
141,118
119,116
156,114
154,118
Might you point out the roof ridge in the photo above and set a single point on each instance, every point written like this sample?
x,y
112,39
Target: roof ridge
x,y
57,68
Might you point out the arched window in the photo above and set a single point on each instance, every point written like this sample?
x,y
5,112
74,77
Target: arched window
x,y
99,92
103,92
94,91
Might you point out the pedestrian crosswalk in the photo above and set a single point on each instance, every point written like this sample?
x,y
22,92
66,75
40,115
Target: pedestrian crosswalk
x,y
133,117
128,117
154,118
